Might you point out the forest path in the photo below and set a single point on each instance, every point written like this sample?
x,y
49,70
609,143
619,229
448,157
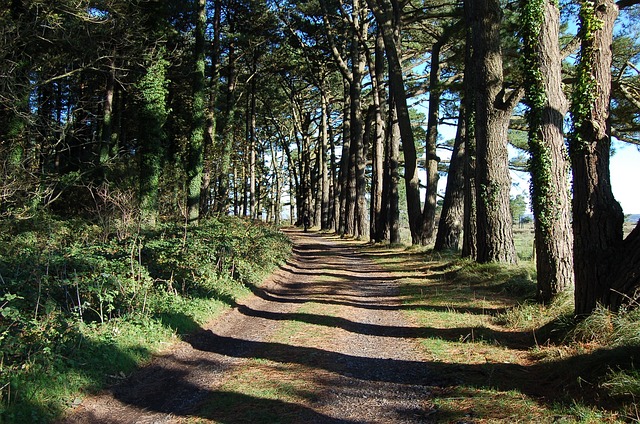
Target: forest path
x,y
324,340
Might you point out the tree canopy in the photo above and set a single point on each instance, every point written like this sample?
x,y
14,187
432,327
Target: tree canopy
x,y
155,112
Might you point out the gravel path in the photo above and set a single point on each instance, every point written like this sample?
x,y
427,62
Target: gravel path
x,y
350,345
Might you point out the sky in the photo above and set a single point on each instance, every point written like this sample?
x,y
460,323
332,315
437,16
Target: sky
x,y
625,176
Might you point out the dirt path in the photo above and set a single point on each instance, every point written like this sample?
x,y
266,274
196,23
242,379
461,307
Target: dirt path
x,y
324,341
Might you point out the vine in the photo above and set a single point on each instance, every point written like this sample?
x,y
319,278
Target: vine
x,y
532,21
583,95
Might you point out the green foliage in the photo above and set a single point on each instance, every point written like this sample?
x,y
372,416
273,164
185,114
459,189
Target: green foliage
x,y
584,89
153,89
76,308
541,156
494,277
616,338
609,329
532,315
517,206
623,383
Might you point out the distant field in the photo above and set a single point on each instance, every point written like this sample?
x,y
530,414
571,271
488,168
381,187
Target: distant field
x,y
523,236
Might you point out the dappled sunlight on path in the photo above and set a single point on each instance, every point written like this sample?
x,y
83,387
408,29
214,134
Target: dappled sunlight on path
x,y
325,339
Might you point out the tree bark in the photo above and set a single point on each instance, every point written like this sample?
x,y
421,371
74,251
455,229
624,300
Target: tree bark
x,y
253,213
305,170
387,14
277,183
391,199
452,215
324,172
597,216
154,113
470,230
209,200
379,211
549,161
196,142
432,159
344,160
377,162
335,184
107,121
493,111
227,122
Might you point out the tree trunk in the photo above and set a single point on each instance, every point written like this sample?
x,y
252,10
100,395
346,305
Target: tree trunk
x,y
227,122
107,122
470,230
350,226
389,21
394,176
324,172
305,169
245,182
597,216
316,184
196,142
357,167
335,184
493,112
252,146
294,180
154,113
277,183
452,215
548,163
377,159
432,159
208,200
344,160
379,216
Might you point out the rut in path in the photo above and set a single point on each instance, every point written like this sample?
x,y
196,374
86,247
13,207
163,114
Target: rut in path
x,y
329,321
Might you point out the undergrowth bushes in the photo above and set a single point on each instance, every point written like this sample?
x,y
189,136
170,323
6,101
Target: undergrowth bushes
x,y
617,337
76,307
600,350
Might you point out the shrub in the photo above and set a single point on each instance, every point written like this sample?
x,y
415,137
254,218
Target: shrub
x,y
68,291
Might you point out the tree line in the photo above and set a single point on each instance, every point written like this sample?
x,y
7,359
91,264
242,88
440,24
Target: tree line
x,y
147,110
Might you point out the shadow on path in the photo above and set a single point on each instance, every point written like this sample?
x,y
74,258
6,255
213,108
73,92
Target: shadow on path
x,y
513,340
546,381
175,386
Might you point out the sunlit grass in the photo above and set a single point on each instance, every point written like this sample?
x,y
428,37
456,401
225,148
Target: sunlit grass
x,y
457,404
504,357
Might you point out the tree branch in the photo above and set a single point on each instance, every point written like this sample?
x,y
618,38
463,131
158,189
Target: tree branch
x,y
624,137
624,4
342,65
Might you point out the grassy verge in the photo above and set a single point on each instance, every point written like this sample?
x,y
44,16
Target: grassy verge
x,y
79,310
505,358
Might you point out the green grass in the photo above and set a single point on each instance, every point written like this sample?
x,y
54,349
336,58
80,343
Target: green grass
x,y
485,405
80,311
505,358
530,315
523,238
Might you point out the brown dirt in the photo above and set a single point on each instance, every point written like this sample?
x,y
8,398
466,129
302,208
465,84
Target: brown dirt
x,y
327,326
